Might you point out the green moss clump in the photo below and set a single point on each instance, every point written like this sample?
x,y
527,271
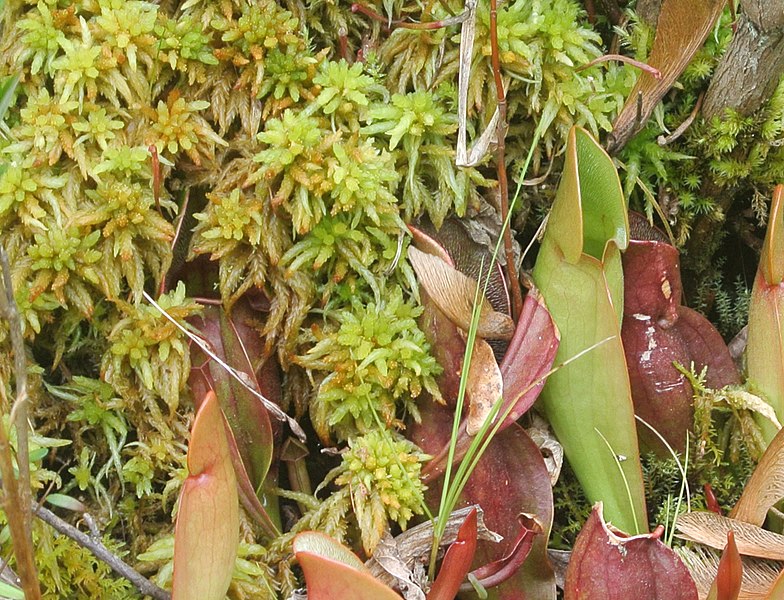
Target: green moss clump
x,y
375,361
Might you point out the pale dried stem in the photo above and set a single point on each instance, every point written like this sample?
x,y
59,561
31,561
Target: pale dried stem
x,y
17,496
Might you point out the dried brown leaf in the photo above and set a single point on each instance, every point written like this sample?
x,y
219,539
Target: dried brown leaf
x,y
454,294
765,486
681,30
703,563
711,529
485,385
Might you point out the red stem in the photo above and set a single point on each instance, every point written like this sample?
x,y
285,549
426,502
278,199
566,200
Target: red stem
x,y
624,59
503,183
370,13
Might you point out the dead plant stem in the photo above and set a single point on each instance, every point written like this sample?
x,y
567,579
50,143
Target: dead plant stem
x,y
16,491
123,569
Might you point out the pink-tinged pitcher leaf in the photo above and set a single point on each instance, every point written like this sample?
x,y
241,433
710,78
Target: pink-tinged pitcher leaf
x,y
529,357
765,347
333,572
730,573
609,565
236,341
206,535
457,561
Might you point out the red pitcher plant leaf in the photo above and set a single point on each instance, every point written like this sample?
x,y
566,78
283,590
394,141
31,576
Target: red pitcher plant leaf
x,y
658,332
510,478
711,502
730,573
457,561
609,565
502,570
333,572
237,342
206,535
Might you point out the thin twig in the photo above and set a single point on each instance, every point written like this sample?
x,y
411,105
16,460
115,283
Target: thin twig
x,y
17,491
664,140
242,378
123,569
503,183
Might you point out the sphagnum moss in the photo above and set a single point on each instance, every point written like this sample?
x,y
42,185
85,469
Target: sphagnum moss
x,y
303,166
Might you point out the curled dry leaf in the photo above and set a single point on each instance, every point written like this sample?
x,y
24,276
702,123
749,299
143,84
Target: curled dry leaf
x,y
454,295
548,445
469,246
486,385
681,30
711,529
765,486
609,565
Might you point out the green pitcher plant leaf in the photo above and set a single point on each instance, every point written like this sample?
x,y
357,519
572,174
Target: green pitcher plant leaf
x,y
765,348
206,536
578,272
